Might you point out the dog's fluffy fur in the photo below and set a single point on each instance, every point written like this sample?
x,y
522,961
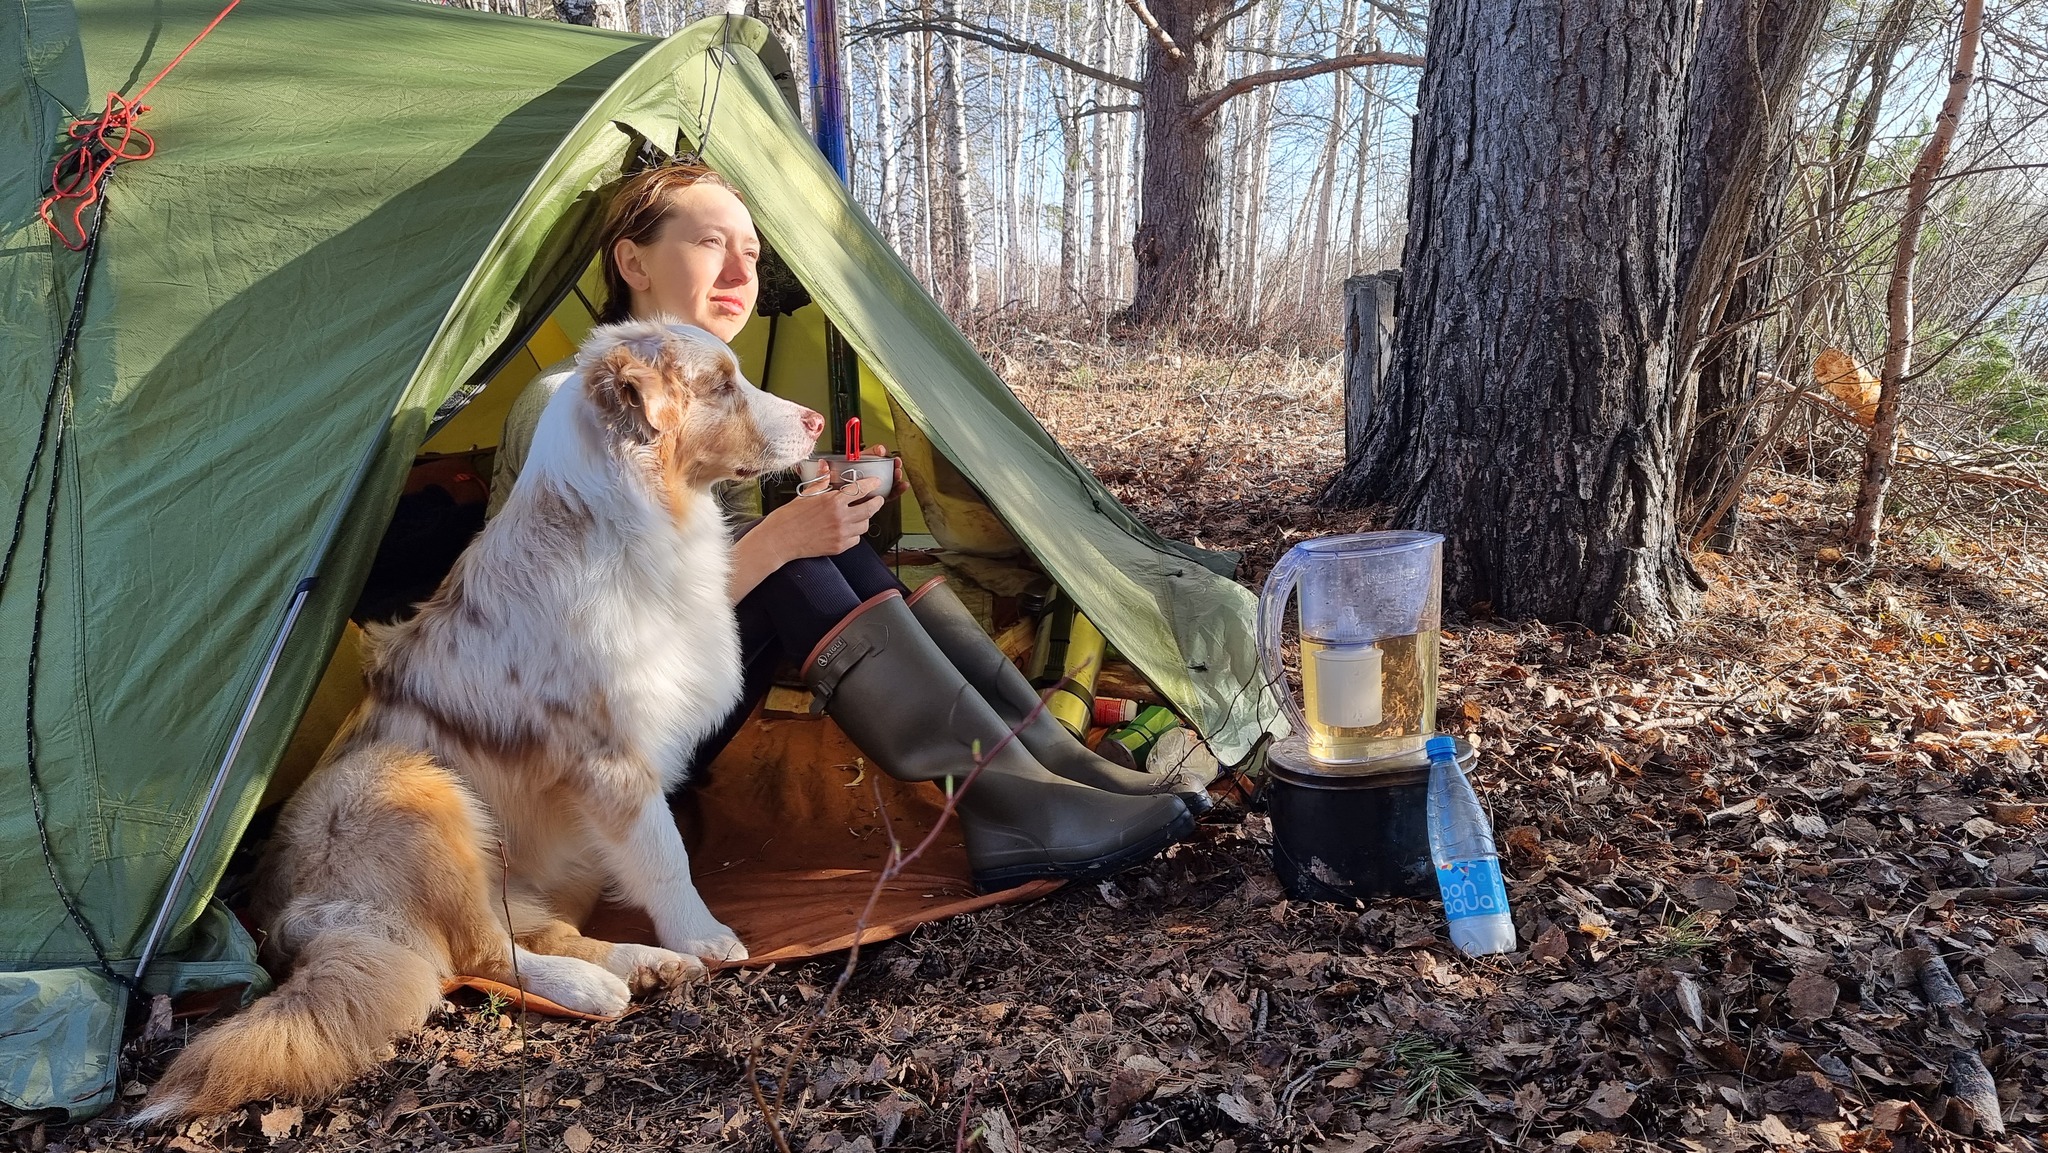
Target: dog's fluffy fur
x,y
518,737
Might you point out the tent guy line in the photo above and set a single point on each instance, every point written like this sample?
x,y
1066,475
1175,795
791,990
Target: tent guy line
x,y
81,172
57,410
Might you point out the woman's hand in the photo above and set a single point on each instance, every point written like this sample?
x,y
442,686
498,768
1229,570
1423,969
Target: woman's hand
x,y
902,482
823,525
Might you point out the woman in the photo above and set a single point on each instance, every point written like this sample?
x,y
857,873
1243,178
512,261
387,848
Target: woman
x,y
910,677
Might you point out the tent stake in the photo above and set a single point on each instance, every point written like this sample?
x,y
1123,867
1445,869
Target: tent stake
x,y
220,780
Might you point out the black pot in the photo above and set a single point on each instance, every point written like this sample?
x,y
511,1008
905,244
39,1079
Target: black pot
x,y
1350,832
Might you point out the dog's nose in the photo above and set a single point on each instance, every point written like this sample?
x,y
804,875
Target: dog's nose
x,y
813,424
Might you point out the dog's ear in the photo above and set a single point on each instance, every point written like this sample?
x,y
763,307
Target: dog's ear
x,y
630,391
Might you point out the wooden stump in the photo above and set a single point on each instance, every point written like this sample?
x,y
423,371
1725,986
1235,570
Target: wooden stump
x,y
1368,348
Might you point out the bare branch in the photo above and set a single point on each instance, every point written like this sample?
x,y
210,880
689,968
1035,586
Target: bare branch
x,y
1002,41
1173,53
1244,84
1217,25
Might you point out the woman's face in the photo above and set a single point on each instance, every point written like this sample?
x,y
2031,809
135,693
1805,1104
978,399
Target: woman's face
x,y
699,268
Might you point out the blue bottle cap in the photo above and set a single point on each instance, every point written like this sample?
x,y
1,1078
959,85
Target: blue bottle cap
x,y
1442,748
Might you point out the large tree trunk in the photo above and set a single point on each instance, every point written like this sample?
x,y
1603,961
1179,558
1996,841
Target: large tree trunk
x,y
1178,247
1746,76
1533,411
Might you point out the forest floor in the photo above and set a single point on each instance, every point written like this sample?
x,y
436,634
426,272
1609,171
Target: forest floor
x,y
1742,863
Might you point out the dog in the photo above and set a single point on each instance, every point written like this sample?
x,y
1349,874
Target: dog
x,y
510,760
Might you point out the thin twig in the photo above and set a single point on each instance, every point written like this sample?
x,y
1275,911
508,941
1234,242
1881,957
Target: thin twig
x,y
518,982
897,862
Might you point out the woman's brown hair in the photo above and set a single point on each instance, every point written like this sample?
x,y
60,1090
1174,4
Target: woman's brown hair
x,y
639,207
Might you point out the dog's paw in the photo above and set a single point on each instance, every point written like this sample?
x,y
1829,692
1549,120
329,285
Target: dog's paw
x,y
645,968
575,984
713,942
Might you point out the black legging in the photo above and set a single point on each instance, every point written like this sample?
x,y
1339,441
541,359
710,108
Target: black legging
x,y
786,616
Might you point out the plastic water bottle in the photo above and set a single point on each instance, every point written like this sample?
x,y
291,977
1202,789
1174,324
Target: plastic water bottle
x,y
1467,867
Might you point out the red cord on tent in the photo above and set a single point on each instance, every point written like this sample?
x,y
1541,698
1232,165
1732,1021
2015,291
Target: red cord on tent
x,y
104,141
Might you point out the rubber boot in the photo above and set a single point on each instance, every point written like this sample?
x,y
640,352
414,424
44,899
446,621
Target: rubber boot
x,y
1006,690
896,695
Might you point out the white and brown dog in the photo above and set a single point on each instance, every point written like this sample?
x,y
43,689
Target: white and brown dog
x,y
518,737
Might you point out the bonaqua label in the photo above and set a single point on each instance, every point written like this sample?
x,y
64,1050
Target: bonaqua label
x,y
1472,889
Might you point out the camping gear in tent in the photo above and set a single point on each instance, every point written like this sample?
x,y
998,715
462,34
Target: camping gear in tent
x,y
332,249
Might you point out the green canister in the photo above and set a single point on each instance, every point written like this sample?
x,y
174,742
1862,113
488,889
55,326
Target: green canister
x,y
1129,745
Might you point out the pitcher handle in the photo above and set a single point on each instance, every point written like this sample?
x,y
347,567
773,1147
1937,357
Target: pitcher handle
x,y
1272,612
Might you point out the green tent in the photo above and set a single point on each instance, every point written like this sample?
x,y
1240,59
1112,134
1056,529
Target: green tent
x,y
358,210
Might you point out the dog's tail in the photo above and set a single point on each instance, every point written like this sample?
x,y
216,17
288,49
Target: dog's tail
x,y
350,993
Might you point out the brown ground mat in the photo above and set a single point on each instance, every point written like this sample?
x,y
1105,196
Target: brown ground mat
x,y
788,832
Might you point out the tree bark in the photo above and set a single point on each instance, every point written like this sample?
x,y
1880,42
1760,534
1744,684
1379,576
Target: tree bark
x,y
1898,341
1746,77
1178,248
785,18
1724,382
1532,412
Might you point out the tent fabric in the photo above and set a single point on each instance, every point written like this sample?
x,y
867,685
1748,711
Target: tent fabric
x,y
327,245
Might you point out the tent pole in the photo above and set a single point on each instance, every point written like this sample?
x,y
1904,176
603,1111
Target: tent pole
x,y
828,85
828,119
164,912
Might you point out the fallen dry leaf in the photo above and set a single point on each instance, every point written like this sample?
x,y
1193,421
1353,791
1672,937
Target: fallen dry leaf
x,y
1812,996
281,1121
578,1139
1229,1014
997,1134
1236,1108
1611,1100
